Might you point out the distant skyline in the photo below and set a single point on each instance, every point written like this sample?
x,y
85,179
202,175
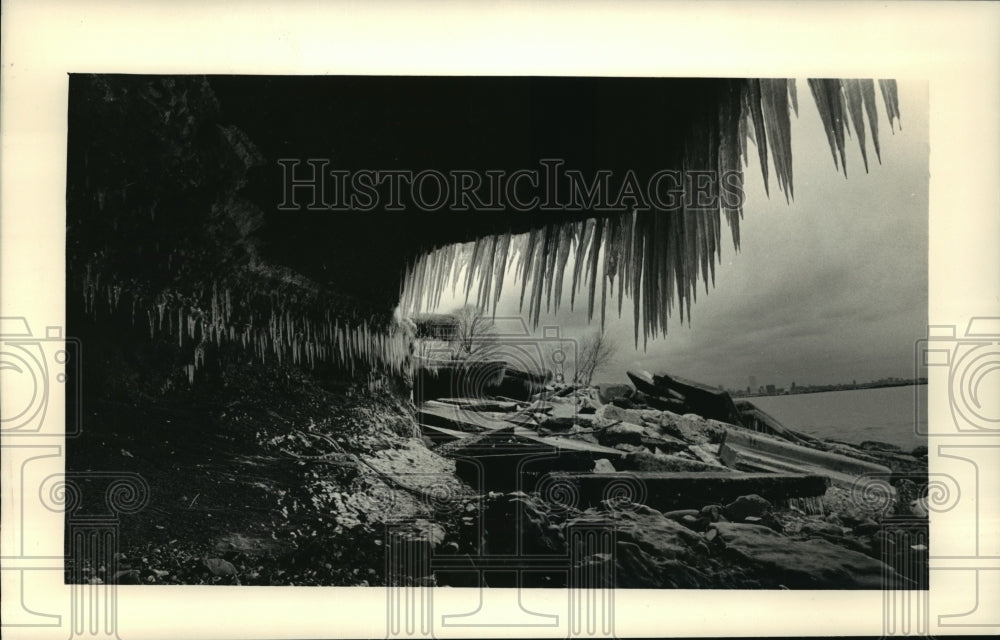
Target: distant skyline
x,y
829,288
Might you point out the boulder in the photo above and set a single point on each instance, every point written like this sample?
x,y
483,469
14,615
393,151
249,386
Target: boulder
x,y
691,428
678,514
621,433
642,416
603,465
564,416
746,506
704,400
776,560
609,392
713,513
651,551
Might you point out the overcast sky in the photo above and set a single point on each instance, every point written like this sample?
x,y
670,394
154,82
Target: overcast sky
x,y
829,288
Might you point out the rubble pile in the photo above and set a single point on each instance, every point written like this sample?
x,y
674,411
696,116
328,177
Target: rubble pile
x,y
700,490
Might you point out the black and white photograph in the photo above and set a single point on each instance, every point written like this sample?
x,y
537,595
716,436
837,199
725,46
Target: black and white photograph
x,y
472,331
498,320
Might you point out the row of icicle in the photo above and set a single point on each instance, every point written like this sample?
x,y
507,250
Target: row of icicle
x,y
276,335
654,257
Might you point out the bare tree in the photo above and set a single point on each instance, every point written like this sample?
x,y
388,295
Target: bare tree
x,y
596,351
474,334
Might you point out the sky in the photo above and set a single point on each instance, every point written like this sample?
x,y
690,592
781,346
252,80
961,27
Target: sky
x,y
829,288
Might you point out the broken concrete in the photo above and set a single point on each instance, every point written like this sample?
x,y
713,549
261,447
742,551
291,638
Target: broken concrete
x,y
706,401
754,452
482,404
450,416
757,420
513,458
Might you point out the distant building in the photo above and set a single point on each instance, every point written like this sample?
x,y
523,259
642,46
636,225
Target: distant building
x,y
770,388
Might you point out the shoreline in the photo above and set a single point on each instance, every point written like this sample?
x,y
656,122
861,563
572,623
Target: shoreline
x,y
857,388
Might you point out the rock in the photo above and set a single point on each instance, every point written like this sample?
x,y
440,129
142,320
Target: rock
x,y
609,392
564,416
706,401
756,452
690,522
603,465
609,414
557,423
588,407
919,452
450,416
622,433
775,559
678,514
642,460
691,428
750,505
713,513
851,510
220,567
652,551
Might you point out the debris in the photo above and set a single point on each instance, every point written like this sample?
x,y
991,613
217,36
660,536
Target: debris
x,y
755,452
706,401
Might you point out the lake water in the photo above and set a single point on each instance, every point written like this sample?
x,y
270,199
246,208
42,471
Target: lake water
x,y
886,414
